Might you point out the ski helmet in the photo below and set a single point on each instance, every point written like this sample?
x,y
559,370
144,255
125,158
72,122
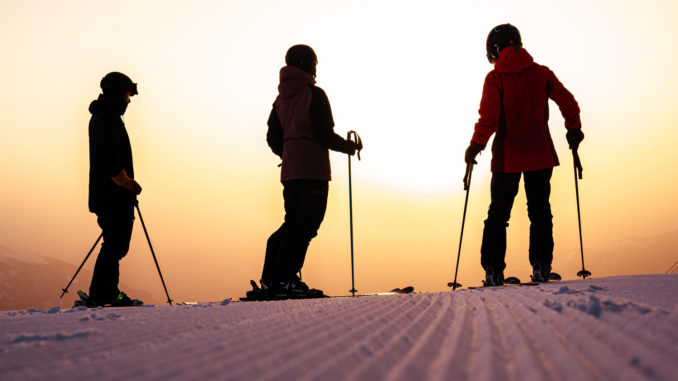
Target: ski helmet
x,y
500,37
116,83
303,57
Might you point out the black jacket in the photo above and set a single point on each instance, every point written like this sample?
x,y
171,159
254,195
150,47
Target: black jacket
x,y
109,153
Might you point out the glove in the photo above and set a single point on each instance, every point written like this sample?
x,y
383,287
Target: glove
x,y
356,146
124,181
574,137
136,188
471,153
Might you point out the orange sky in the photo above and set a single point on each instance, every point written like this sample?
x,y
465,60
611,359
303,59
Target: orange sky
x,y
407,78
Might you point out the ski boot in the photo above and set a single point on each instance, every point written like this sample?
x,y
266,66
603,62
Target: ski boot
x,y
541,273
295,289
492,278
122,300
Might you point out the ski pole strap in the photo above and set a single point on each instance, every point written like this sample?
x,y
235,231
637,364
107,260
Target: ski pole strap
x,y
467,176
577,163
354,137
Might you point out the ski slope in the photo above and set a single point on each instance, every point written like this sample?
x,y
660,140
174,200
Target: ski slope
x,y
618,328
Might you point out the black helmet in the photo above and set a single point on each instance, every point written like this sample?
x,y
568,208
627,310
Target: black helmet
x,y
500,37
115,83
303,57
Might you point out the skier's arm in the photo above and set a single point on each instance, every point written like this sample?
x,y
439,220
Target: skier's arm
x,y
490,111
274,135
565,101
107,137
322,124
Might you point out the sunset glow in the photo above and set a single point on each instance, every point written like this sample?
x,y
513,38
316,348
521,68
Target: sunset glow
x,y
407,76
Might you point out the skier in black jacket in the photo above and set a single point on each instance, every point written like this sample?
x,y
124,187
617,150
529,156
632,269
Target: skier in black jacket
x,y
301,132
112,188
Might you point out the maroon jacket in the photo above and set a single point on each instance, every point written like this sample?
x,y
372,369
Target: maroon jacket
x,y
515,106
301,128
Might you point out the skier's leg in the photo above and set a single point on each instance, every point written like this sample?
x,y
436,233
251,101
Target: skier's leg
x,y
538,191
275,240
116,224
312,211
280,255
310,202
503,189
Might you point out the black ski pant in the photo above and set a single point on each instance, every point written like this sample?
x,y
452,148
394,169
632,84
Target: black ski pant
x,y
116,224
503,189
305,204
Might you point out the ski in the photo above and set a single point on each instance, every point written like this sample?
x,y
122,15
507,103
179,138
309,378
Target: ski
x,y
262,294
85,301
508,282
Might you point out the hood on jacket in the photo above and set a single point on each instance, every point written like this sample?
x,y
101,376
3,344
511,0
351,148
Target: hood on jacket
x,y
293,80
513,60
108,104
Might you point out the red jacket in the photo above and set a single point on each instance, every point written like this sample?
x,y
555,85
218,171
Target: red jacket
x,y
515,106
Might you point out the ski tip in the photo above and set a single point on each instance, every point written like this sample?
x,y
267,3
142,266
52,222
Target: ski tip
x,y
555,276
512,280
405,290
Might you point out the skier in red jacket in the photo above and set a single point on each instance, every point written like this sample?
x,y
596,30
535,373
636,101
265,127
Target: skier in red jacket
x,y
514,105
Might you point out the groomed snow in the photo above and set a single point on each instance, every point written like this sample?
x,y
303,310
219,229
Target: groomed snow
x,y
618,328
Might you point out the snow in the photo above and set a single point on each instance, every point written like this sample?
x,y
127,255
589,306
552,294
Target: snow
x,y
617,328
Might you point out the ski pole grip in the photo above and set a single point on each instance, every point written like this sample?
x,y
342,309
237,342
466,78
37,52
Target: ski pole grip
x,y
467,176
354,137
577,164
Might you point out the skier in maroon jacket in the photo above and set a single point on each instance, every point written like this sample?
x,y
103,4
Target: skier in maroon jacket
x,y
514,105
301,132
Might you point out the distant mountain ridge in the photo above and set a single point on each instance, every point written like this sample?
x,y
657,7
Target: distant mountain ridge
x,y
29,280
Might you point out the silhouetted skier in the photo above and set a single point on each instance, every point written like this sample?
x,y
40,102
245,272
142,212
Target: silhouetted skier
x,y
112,188
514,104
301,132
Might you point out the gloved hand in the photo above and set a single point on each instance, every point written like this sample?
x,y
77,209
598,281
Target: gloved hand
x,y
471,153
124,181
356,145
136,188
574,137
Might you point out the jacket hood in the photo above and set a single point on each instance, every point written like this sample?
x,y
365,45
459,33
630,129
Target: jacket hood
x,y
513,60
109,105
293,80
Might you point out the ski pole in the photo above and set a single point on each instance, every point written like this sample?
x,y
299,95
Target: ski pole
x,y
578,169
65,290
467,188
136,203
350,204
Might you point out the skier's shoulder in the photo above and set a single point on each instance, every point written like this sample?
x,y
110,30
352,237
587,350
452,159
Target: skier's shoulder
x,y
319,97
317,92
493,78
543,69
106,124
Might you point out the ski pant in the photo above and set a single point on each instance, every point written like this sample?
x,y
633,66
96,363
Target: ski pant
x,y
305,204
116,224
503,189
